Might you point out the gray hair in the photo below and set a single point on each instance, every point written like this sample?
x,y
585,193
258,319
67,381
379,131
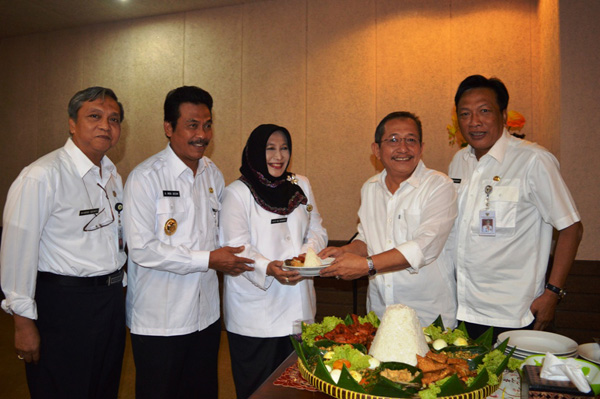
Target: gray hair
x,y
91,94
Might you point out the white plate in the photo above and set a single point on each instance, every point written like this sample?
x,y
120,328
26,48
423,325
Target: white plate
x,y
529,353
590,352
309,271
589,369
539,341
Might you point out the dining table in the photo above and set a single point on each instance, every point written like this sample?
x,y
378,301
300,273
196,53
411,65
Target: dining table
x,y
286,382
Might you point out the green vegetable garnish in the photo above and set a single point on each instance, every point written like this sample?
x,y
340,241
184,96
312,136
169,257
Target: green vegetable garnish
x,y
311,331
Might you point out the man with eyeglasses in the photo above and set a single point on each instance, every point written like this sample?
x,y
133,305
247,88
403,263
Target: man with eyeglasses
x,y
406,214
62,257
173,200
516,186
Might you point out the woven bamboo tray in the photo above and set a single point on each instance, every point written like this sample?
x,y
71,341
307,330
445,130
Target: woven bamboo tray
x,y
342,393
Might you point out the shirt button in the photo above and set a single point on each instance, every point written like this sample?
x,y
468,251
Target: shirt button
x,y
287,238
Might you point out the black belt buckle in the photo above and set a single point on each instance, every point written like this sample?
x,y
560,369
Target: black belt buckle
x,y
115,278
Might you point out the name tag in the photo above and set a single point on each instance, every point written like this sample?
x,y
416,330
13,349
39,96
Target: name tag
x,y
93,211
170,193
455,180
281,220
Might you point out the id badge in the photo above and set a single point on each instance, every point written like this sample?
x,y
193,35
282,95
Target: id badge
x,y
487,223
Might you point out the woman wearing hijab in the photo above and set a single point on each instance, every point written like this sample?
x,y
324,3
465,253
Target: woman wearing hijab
x,y
272,213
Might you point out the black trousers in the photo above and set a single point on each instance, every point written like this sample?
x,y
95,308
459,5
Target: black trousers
x,y
254,359
82,339
475,330
182,366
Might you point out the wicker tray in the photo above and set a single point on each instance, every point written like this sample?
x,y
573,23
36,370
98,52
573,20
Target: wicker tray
x,y
342,393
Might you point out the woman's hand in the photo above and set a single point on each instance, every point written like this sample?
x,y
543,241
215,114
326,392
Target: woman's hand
x,y
284,277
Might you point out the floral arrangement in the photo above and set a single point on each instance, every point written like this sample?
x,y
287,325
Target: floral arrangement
x,y
514,123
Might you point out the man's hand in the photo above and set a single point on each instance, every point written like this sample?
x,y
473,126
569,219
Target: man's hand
x,y
331,252
284,277
225,260
543,308
347,266
27,339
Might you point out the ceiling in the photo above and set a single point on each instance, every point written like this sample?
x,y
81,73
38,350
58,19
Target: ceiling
x,y
22,17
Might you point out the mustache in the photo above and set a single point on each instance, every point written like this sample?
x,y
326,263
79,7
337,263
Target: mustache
x,y
203,142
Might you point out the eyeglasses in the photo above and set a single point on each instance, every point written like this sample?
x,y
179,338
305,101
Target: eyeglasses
x,y
87,227
395,141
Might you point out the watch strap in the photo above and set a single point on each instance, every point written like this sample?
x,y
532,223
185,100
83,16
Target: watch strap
x,y
558,291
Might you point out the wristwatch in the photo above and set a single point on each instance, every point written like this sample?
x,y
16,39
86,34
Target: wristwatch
x,y
372,270
558,291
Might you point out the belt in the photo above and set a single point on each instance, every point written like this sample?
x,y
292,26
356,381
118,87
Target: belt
x,y
74,281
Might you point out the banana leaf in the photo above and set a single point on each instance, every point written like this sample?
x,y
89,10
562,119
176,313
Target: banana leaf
x,y
453,386
462,327
439,323
504,363
503,345
480,381
322,373
299,351
390,389
485,339
348,382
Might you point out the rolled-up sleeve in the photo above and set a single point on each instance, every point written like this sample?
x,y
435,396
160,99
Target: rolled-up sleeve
x,y
25,214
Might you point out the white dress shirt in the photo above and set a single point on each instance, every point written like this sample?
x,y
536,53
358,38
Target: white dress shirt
x,y
255,304
415,220
171,290
47,207
498,277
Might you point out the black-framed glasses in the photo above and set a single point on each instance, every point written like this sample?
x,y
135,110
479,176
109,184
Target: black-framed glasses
x,y
97,226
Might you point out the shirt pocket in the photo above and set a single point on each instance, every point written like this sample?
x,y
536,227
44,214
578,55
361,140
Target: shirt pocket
x,y
504,201
407,221
167,209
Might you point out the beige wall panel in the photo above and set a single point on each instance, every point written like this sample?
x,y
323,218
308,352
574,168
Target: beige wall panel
x,y
340,107
580,119
547,81
274,72
494,39
60,77
413,69
19,109
213,55
141,60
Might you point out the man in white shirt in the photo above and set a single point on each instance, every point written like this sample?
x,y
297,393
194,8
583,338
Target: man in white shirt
x,y
62,257
516,186
172,231
406,214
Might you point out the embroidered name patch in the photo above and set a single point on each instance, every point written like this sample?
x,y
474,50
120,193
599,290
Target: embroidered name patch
x,y
170,193
455,180
281,220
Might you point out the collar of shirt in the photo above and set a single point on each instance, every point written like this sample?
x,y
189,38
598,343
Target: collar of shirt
x,y
498,151
177,167
414,179
83,164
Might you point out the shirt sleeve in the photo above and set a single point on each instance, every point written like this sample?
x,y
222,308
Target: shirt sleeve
x,y
439,210
550,193
27,209
317,235
235,231
145,249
